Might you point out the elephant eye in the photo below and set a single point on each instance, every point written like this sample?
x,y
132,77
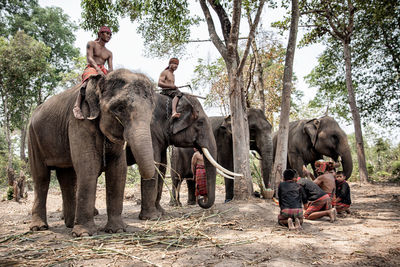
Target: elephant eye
x,y
119,108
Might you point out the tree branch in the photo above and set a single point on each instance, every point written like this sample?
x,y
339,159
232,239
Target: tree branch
x,y
211,30
223,19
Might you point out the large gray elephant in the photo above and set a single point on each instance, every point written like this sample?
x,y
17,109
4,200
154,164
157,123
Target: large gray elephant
x,y
191,129
260,141
79,150
310,140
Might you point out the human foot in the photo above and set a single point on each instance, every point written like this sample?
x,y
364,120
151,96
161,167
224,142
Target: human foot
x,y
176,115
297,224
332,215
290,224
78,113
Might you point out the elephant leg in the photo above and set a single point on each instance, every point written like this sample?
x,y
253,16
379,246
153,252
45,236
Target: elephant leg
x,y
160,184
191,186
87,168
229,187
115,186
176,185
41,181
67,180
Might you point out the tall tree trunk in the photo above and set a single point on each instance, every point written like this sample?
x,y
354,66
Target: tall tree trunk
x,y
23,142
282,142
260,74
240,135
356,115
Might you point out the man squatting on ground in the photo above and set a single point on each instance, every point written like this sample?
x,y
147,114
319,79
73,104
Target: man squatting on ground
x,y
290,195
326,177
342,201
199,172
319,202
96,55
167,83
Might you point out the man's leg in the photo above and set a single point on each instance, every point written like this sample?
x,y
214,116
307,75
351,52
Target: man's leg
x,y
318,214
77,106
174,105
297,223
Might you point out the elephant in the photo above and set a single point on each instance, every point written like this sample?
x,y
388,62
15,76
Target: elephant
x,y
310,140
191,129
260,141
79,150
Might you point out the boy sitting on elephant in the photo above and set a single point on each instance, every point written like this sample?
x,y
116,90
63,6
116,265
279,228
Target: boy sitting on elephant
x,y
290,196
342,200
96,55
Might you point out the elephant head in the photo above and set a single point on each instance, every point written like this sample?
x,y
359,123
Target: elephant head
x,y
328,139
126,101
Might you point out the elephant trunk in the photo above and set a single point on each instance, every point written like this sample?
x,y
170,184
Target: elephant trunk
x,y
265,151
139,140
347,162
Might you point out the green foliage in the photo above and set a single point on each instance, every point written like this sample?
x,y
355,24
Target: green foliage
x,y
10,193
163,24
396,169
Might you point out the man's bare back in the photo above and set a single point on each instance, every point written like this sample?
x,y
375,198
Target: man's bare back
x,y
326,182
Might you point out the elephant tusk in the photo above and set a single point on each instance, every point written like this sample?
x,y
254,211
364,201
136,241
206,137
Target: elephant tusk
x,y
125,145
225,175
216,165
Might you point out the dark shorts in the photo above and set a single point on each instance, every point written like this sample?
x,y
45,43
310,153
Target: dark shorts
x,y
291,213
172,93
322,203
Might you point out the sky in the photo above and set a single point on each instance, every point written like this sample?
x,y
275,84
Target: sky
x,y
128,50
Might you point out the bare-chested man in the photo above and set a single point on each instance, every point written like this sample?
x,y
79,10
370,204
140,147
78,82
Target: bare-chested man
x,y
199,173
326,177
96,55
167,83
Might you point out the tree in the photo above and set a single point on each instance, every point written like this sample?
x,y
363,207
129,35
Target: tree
x,y
22,62
280,161
337,20
58,35
165,26
375,66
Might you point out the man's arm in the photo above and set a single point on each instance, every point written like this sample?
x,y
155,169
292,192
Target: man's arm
x,y
110,62
90,59
318,181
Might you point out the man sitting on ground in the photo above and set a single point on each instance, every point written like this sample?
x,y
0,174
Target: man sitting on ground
x,y
290,196
96,55
342,201
319,202
167,83
326,177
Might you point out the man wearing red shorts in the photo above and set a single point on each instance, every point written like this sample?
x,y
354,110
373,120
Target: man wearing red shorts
x,y
199,173
96,55
319,202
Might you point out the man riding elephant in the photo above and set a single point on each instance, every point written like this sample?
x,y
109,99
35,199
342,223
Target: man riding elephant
x,y
96,55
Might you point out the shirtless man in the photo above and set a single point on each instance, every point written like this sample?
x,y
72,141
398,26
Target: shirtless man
x,y
96,55
326,177
199,173
167,83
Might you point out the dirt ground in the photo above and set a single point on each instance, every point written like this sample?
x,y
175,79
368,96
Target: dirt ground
x,y
233,234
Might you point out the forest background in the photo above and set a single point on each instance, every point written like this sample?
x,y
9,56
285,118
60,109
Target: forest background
x,y
39,59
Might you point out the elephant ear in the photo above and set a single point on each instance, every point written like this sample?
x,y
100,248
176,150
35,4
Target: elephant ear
x,y
311,128
188,115
92,96
227,124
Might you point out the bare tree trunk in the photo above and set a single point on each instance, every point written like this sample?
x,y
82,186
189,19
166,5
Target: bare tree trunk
x,y
356,115
282,142
23,142
240,135
260,74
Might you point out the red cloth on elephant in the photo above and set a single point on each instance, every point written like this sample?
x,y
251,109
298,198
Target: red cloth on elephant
x,y
90,71
322,203
201,181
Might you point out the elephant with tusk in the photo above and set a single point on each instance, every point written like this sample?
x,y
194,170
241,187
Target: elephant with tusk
x,y
80,150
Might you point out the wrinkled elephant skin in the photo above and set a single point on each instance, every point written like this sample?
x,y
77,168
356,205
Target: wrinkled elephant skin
x,y
260,141
310,140
79,150
191,129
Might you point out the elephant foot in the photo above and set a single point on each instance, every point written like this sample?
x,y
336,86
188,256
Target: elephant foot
x,y
69,223
115,226
95,212
38,225
160,209
84,230
227,200
149,215
191,202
